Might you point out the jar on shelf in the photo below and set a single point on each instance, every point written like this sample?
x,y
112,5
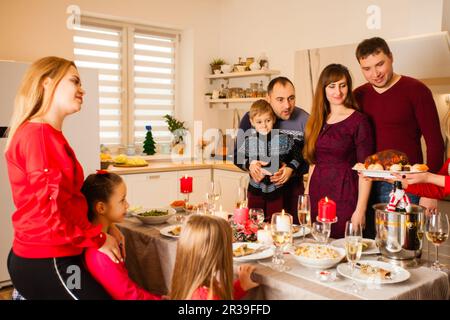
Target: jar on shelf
x,y
261,91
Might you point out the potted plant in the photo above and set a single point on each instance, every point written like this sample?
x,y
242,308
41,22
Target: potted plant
x,y
216,64
177,129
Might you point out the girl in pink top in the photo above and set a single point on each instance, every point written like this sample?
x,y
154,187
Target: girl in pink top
x,y
106,197
204,262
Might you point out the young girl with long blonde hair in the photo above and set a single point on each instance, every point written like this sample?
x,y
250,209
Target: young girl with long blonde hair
x,y
51,228
204,262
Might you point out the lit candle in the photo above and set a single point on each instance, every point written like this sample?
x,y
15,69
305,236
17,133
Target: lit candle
x,y
240,215
327,210
283,222
264,236
186,184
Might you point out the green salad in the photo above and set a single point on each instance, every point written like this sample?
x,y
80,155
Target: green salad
x,y
153,213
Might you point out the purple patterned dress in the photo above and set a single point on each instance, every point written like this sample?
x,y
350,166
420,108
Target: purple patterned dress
x,y
338,147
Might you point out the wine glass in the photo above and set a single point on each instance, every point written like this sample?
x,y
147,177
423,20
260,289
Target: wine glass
x,y
353,249
436,231
304,212
241,199
281,229
257,215
214,192
320,231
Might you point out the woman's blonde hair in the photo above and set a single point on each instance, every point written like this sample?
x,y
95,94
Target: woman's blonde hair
x,y
204,258
30,100
321,106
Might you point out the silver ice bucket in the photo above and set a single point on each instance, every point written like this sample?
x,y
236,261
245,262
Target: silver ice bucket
x,y
399,234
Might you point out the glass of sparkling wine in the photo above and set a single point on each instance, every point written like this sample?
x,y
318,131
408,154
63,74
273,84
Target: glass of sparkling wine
x,y
436,231
281,229
214,192
304,212
353,249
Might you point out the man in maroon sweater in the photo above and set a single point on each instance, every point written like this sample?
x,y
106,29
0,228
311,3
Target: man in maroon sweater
x,y
401,109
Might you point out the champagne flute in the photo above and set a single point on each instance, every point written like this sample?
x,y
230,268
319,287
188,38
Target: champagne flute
x,y
304,212
214,192
241,199
436,231
281,229
353,249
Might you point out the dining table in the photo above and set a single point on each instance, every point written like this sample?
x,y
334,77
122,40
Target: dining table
x,y
151,253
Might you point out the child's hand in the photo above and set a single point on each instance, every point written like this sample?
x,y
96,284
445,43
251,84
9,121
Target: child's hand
x,y
256,171
244,272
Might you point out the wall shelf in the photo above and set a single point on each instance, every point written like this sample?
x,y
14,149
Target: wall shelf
x,y
256,73
235,100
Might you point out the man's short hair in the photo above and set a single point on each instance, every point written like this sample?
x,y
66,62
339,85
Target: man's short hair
x,y
372,46
261,107
281,80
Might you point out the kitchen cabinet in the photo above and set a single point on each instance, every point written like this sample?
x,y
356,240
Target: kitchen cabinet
x,y
152,190
230,182
228,76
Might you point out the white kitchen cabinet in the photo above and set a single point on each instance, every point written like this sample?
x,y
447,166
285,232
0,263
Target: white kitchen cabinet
x,y
230,182
200,183
152,190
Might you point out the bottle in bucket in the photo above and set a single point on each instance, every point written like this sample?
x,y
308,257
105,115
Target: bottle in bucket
x,y
398,199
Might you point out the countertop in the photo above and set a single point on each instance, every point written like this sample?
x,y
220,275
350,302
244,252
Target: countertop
x,y
165,166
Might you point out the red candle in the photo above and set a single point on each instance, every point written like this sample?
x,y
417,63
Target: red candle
x,y
327,210
186,184
240,215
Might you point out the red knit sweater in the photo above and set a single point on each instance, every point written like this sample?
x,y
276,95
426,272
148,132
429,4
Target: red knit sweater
x,y
433,191
51,212
400,116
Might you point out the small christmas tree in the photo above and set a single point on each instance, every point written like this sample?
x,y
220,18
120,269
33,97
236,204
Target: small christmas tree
x,y
149,142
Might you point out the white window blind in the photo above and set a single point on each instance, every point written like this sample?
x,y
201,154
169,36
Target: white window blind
x,y
101,48
154,83
136,78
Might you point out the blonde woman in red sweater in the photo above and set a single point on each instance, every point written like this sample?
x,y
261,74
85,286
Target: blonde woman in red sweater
x,y
51,228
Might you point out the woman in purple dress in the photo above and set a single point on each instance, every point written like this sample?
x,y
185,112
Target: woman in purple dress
x,y
337,136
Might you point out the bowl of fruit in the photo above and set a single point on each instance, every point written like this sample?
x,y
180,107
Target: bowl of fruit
x,y
154,215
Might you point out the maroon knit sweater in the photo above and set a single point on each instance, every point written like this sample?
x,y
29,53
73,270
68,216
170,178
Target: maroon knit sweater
x,y
400,116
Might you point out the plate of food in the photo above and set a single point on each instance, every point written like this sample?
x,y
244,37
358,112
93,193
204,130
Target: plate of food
x,y
297,231
247,251
317,256
154,215
384,163
369,271
171,231
369,246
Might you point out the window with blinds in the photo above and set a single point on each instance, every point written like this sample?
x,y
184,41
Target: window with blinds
x,y
136,78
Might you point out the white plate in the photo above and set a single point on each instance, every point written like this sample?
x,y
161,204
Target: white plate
x,y
300,232
373,249
255,256
165,231
384,173
398,273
